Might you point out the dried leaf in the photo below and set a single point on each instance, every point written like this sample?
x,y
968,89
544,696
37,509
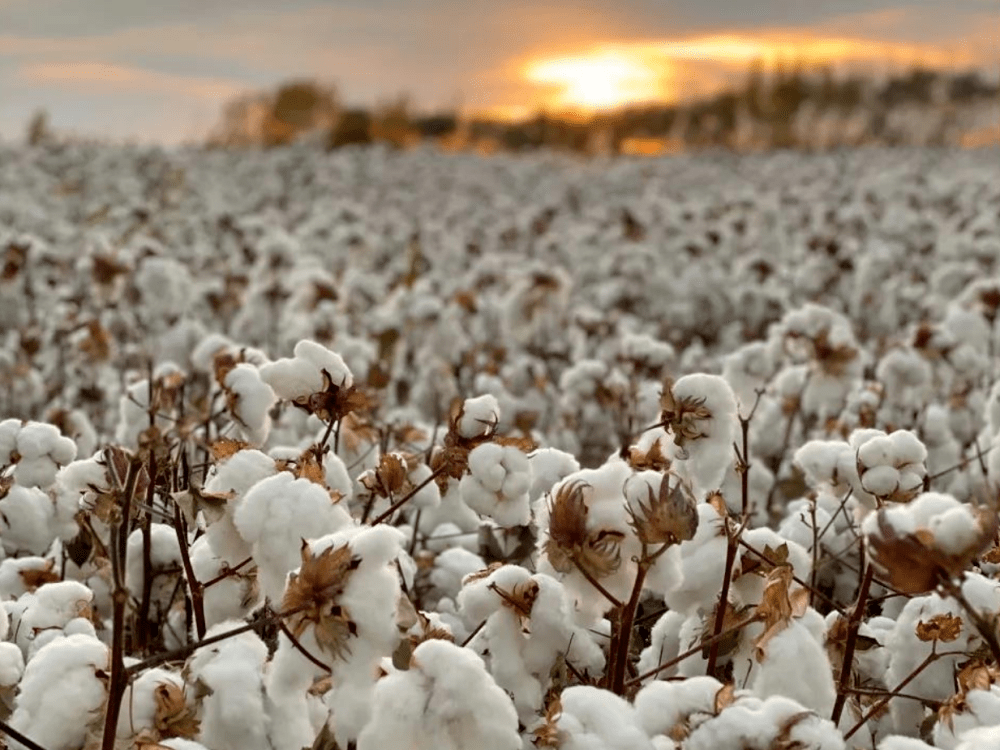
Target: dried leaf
x,y
944,627
670,517
194,501
725,697
320,581
309,467
224,448
174,718
571,544
32,578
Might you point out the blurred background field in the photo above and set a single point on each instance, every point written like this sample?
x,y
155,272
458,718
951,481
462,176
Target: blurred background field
x,y
631,77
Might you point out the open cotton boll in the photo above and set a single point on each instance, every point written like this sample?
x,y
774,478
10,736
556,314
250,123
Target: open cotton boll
x,y
796,666
41,449
27,521
451,566
702,564
603,539
497,484
666,708
592,718
899,742
165,566
446,701
664,645
236,475
977,708
141,702
8,439
229,598
11,666
233,715
275,516
479,416
548,466
302,375
52,607
525,642
754,724
61,693
250,400
701,414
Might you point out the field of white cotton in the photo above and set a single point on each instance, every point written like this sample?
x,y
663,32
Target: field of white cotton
x,y
406,450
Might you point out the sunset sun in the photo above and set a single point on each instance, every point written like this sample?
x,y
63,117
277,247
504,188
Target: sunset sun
x,y
599,81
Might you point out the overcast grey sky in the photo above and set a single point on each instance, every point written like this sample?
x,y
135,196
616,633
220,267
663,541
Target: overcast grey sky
x,y
162,70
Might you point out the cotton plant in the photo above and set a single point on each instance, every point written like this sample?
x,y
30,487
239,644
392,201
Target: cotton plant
x,y
165,568
157,707
347,590
497,484
249,400
444,699
61,693
229,481
588,717
273,518
54,609
36,450
528,627
229,677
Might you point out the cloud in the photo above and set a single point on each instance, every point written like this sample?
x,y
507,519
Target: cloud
x,y
123,78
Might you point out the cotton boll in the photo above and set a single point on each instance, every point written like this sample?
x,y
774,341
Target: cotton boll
x,y
978,708
593,718
446,700
449,535
755,725
302,375
666,708
27,521
275,516
497,484
898,742
139,700
236,475
229,598
702,564
980,738
796,666
705,443
451,566
479,416
61,693
250,400
233,715
549,466
664,645
52,607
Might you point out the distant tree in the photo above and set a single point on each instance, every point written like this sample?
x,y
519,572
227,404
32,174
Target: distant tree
x,y
39,132
392,123
353,128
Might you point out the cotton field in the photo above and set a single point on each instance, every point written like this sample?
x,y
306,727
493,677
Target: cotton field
x,y
384,450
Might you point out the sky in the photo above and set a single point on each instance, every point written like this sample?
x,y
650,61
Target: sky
x,y
161,71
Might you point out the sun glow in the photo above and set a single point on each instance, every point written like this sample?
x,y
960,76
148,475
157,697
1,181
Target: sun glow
x,y
614,75
599,81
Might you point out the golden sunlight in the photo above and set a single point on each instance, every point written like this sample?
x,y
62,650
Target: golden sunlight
x,y
600,80
613,75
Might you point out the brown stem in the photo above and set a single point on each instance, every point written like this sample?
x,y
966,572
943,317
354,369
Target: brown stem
x,y
119,601
931,658
720,612
853,625
196,589
227,573
300,648
700,648
626,621
407,497
595,583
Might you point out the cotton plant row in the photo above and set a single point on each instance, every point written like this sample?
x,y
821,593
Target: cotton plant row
x,y
552,455
444,570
